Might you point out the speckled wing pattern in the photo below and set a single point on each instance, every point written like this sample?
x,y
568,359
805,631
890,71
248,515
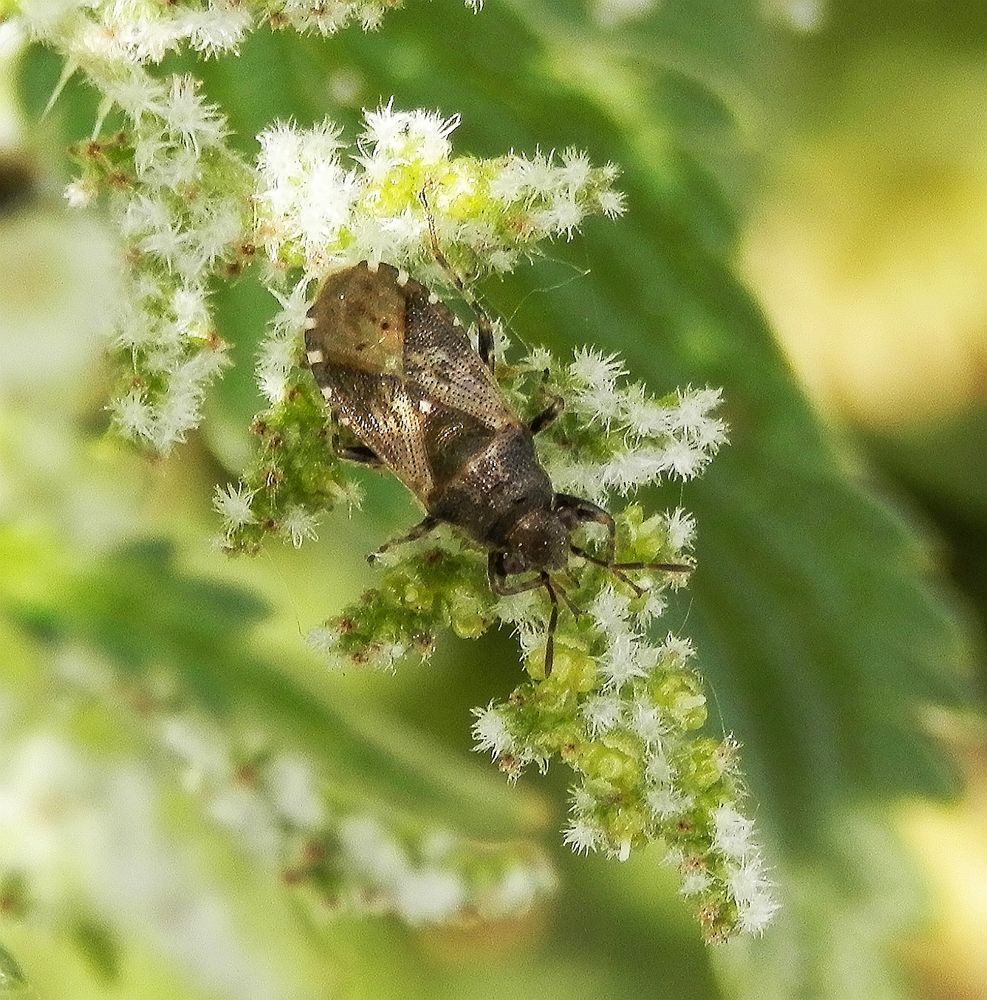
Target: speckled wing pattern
x,y
442,394
385,414
440,360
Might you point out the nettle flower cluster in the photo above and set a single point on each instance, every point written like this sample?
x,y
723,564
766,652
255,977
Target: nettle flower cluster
x,y
271,799
320,207
624,706
88,836
178,195
145,31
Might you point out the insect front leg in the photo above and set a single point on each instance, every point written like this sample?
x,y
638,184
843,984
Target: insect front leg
x,y
485,328
500,586
418,531
498,578
553,623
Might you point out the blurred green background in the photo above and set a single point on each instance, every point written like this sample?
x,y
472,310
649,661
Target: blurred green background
x,y
807,227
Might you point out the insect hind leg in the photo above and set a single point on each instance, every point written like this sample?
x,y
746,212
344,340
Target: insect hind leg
x,y
548,416
418,531
361,455
485,328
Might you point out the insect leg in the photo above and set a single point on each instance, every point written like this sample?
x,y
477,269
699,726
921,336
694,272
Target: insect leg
x,y
361,455
419,530
553,622
607,564
618,568
498,578
585,511
485,345
547,416
499,585
485,335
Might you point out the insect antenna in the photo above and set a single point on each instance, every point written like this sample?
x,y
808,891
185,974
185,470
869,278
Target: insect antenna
x,y
440,257
618,568
566,598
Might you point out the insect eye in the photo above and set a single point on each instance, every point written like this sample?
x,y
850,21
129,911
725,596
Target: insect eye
x,y
513,563
568,517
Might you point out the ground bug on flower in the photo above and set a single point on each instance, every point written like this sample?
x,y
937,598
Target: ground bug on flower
x,y
399,372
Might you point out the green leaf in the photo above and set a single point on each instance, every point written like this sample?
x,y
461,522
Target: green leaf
x,y
818,627
818,624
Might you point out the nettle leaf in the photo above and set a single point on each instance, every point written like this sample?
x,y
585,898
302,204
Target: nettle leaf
x,y
817,622
821,635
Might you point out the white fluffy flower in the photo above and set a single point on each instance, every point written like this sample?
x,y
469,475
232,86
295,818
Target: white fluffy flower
x,y
753,894
133,415
595,375
676,650
299,525
582,836
609,609
681,528
694,883
733,835
197,123
490,732
79,193
646,722
233,505
667,802
322,640
602,713
624,660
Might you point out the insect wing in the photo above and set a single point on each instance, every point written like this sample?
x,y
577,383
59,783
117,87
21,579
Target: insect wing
x,y
386,415
400,372
440,360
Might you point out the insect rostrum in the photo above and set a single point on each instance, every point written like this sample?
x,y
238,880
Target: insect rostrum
x,y
398,370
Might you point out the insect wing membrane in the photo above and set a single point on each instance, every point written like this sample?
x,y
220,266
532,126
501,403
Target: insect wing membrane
x,y
387,417
441,361
402,375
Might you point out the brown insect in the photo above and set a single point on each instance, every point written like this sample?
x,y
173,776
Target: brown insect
x,y
398,370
